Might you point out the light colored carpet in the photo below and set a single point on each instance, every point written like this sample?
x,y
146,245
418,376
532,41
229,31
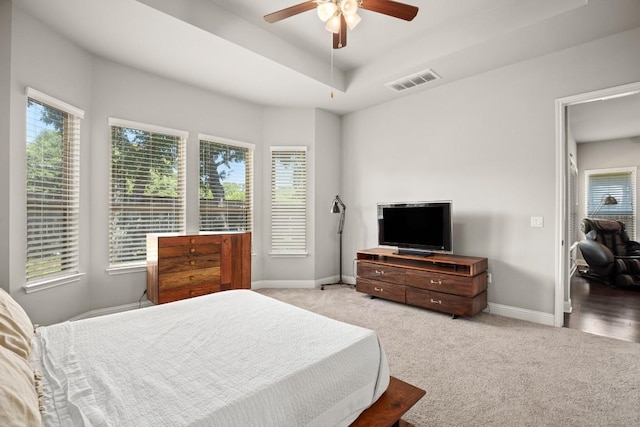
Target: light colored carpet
x,y
492,370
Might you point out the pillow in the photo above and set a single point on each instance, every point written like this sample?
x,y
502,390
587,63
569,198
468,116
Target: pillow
x,y
19,404
16,328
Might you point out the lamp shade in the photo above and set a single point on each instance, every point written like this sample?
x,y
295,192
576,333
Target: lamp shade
x,y
326,10
352,20
349,7
610,200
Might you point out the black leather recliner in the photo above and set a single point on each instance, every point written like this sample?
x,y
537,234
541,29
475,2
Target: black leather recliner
x,y
611,256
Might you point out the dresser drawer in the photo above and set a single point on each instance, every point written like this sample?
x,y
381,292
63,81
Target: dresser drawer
x,y
190,239
176,294
447,283
447,303
384,273
390,291
186,284
191,262
188,250
189,278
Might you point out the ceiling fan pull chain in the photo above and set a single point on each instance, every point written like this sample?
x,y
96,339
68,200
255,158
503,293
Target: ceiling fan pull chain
x,y
331,68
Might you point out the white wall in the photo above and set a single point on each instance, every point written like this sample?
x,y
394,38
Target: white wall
x,y
288,127
121,92
487,143
49,63
105,89
5,120
328,178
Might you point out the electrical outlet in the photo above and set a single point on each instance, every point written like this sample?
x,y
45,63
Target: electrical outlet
x,y
488,277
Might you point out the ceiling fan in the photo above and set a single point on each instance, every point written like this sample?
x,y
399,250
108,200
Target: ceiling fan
x,y
340,14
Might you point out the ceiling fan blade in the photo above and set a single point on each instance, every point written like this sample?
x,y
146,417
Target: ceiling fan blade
x,y
290,11
391,8
340,39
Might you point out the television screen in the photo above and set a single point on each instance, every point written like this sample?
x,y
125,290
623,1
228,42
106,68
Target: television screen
x,y
420,227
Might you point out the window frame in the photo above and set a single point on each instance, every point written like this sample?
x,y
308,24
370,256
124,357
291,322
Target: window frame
x,y
248,180
139,265
70,146
278,249
632,171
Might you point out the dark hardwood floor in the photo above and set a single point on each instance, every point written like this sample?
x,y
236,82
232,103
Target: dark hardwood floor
x,y
603,310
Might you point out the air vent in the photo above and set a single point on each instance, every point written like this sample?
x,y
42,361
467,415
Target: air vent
x,y
414,80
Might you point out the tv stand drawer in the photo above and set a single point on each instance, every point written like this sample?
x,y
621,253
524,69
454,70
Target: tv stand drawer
x,y
381,272
447,303
447,283
390,291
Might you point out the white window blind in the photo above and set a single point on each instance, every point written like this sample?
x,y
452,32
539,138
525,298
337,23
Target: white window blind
x,y
147,187
226,185
288,200
619,183
52,185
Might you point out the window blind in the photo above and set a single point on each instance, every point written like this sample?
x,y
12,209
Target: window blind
x,y
226,185
288,200
52,185
147,193
619,183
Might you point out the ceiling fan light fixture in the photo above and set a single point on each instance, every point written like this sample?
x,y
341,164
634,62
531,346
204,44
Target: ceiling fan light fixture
x,y
333,24
326,10
349,7
352,20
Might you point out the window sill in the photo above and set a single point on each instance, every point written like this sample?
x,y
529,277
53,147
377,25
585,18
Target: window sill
x,y
52,283
127,269
288,254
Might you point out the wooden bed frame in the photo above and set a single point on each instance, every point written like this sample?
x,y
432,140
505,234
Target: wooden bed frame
x,y
391,406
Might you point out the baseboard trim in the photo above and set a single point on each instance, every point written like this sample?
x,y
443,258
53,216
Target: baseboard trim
x,y
300,284
111,310
521,314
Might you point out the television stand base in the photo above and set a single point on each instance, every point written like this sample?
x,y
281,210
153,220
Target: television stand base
x,y
452,284
414,252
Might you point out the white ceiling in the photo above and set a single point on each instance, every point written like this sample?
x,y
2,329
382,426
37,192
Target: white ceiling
x,y
227,47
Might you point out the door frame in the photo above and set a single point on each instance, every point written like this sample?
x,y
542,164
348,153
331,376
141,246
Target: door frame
x,y
561,234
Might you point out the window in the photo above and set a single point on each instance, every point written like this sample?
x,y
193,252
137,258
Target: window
x,y
147,187
226,182
52,185
619,183
288,200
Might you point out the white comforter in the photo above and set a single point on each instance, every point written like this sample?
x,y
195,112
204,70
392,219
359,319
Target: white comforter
x,y
235,358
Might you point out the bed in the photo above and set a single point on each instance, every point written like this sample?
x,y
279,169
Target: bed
x,y
233,358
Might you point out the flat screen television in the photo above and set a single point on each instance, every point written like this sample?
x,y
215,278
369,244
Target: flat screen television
x,y
416,228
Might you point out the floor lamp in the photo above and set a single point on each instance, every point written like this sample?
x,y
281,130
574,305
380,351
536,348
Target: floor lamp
x,y
606,201
338,207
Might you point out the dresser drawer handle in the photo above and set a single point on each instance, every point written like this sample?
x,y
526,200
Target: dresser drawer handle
x,y
192,262
191,277
192,240
378,289
379,271
192,250
436,301
436,282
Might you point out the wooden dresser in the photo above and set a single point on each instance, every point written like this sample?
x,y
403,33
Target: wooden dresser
x,y
182,266
452,284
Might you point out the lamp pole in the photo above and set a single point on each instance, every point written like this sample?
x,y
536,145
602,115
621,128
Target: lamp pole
x,y
339,207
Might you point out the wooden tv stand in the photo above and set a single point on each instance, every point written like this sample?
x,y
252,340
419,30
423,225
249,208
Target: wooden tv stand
x,y
448,283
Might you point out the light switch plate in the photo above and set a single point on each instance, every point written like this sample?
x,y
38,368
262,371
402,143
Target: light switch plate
x,y
537,221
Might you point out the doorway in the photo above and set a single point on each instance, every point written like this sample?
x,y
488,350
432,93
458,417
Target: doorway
x,y
563,154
